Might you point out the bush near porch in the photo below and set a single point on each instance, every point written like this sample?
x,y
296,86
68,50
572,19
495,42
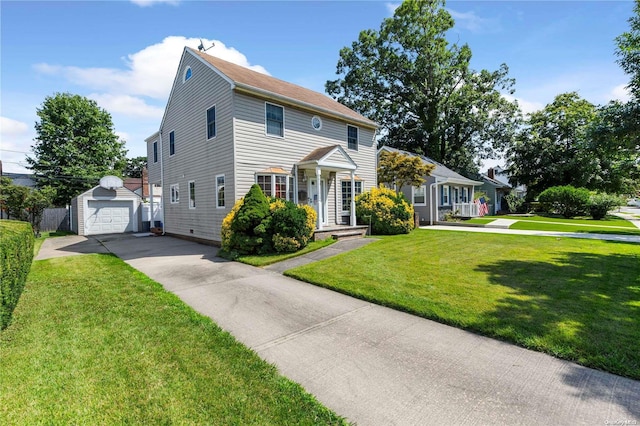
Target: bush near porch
x,y
258,225
390,213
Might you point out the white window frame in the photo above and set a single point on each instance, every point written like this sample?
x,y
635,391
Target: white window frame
x,y
445,195
357,137
456,194
266,127
184,75
424,195
154,151
174,193
272,178
192,194
215,122
173,132
224,197
348,182
465,194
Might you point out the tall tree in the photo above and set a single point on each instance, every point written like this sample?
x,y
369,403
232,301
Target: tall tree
x,y
421,90
552,149
75,146
629,51
134,167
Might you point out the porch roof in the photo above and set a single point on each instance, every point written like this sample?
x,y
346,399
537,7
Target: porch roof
x,y
333,158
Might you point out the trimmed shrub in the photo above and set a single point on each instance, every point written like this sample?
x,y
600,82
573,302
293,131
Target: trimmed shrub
x,y
390,213
565,200
250,225
601,203
226,225
16,255
289,227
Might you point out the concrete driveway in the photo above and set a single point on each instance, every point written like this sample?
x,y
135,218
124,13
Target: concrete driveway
x,y
374,365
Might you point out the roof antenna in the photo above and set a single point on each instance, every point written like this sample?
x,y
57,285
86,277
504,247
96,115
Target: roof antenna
x,y
201,47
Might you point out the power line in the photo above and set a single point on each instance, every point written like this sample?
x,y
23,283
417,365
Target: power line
x,y
17,152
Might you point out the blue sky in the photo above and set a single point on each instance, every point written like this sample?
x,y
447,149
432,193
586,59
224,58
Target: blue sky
x,y
124,54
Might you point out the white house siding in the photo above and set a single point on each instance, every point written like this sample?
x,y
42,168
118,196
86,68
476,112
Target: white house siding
x,y
196,158
153,169
256,151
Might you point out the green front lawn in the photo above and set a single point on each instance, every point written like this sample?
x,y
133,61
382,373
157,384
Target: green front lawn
x,y
609,225
572,298
95,342
267,259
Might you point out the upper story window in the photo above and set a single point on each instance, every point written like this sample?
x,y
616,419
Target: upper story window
x,y
419,196
274,116
155,151
187,74
172,142
352,137
211,122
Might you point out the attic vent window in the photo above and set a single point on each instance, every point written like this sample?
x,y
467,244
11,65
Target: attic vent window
x,y
187,74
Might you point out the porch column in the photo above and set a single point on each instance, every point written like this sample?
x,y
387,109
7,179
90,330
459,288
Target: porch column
x,y
320,201
353,198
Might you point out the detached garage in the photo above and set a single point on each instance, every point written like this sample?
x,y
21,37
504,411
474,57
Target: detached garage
x,y
106,209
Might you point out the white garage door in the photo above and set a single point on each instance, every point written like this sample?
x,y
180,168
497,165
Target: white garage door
x,y
109,217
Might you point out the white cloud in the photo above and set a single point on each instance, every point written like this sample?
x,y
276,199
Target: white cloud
x,y
391,7
127,105
620,93
16,139
472,22
527,107
146,3
148,72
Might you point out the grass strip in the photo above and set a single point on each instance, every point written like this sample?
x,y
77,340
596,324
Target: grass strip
x,y
268,259
93,341
572,298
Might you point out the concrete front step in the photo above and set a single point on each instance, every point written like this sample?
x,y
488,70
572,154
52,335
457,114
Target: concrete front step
x,y
341,233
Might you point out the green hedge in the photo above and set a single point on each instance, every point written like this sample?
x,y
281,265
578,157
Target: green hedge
x,y
16,255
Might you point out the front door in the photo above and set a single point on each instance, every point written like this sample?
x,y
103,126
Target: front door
x,y
314,201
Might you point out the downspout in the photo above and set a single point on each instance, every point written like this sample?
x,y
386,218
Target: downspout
x,y
434,184
295,183
161,182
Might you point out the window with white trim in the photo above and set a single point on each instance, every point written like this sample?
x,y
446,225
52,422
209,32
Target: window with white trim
x,y
465,194
172,142
220,192
274,120
346,194
419,195
192,194
175,193
352,137
187,74
155,151
274,185
444,195
211,122
456,194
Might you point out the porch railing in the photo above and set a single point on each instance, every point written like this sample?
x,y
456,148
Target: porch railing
x,y
465,209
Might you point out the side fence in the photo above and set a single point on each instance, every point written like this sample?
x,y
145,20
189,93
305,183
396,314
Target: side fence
x,y
53,219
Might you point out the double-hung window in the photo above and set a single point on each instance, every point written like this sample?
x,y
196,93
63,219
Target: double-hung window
x,y
274,116
175,193
192,194
352,137
346,194
444,195
419,195
172,142
211,122
220,191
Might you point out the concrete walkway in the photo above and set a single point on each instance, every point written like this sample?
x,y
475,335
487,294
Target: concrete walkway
x,y
373,365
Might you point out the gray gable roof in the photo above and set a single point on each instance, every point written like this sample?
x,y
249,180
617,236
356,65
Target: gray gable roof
x,y
441,172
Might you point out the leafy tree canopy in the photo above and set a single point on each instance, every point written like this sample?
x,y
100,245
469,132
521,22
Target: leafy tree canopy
x,y
552,149
420,89
134,167
398,170
629,51
75,146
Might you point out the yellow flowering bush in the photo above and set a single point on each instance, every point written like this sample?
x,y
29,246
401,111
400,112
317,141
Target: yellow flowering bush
x,y
226,224
390,213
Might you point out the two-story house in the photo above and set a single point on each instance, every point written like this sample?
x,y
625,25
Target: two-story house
x,y
227,127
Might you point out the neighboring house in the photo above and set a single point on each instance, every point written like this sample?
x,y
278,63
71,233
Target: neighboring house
x,y
227,127
499,174
21,179
444,191
496,191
